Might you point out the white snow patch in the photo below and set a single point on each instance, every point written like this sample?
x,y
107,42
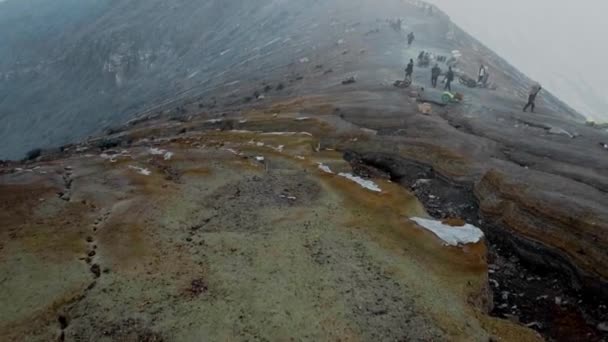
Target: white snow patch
x,y
112,157
369,131
369,185
156,151
304,60
279,133
325,168
224,52
260,159
303,118
278,148
159,152
235,152
214,120
140,170
287,133
300,157
451,236
243,121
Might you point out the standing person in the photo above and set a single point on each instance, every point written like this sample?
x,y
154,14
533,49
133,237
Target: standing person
x,y
486,78
409,70
449,77
482,74
532,97
435,72
410,39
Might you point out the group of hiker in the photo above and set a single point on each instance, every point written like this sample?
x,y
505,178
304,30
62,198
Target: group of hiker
x,y
435,73
482,79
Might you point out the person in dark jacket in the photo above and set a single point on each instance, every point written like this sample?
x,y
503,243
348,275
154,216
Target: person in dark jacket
x,y
409,70
410,39
435,72
532,97
449,77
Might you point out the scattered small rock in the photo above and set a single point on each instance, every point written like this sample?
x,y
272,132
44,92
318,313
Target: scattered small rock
x,y
349,80
96,270
425,108
198,287
107,143
454,222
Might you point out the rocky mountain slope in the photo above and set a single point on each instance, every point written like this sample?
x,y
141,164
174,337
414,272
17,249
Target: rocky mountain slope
x,y
278,201
74,68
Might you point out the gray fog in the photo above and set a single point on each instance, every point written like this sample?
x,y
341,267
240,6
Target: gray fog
x,y
559,43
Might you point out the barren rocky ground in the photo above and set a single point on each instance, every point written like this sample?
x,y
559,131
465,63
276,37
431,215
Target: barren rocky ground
x,y
280,206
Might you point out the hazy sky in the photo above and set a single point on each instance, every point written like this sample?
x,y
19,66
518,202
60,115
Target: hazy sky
x,y
560,43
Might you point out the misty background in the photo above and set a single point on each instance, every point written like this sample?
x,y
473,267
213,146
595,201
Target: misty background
x,y
560,44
